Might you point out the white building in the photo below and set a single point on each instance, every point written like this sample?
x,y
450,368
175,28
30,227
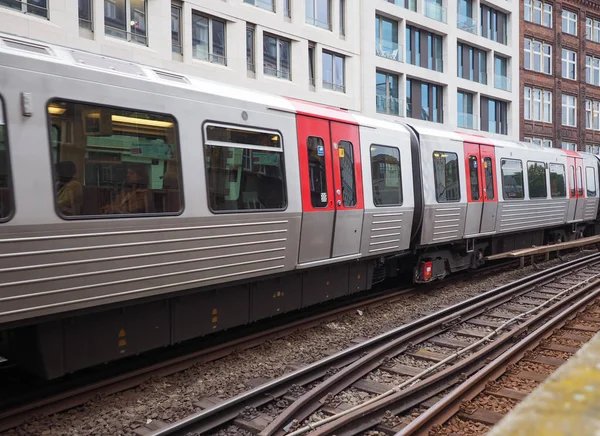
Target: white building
x,y
362,55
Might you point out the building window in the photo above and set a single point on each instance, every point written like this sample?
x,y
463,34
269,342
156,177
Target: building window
x,y
268,5
592,70
276,57
542,142
538,12
35,7
342,17
424,49
569,63
501,79
569,22
592,115
494,116
537,56
445,172
592,29
128,164
244,169
472,63
569,110
311,64
537,104
466,118
176,29
208,39
386,176
333,72
493,24
250,59
512,179
85,15
287,8
465,20
318,13
424,101
386,38
571,146
387,93
126,19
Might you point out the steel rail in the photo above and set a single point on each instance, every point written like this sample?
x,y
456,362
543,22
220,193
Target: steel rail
x,y
363,418
450,404
212,418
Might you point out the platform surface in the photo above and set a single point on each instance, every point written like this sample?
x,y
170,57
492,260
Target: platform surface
x,y
567,403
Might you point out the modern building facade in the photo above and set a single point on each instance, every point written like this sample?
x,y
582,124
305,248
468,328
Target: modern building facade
x,y
560,74
443,63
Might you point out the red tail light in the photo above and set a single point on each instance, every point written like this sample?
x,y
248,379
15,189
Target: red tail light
x,y
427,270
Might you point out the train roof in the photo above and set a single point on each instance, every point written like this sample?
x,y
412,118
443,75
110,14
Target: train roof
x,y
82,59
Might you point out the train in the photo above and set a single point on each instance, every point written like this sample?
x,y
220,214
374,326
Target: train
x,y
141,208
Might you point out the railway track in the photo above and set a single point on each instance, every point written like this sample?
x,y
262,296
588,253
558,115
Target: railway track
x,y
368,385
53,399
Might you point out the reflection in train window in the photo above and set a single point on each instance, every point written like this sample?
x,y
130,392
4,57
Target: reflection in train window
x,y
5,188
386,175
536,177
113,161
474,178
558,186
512,179
489,177
244,169
445,170
590,179
317,172
346,156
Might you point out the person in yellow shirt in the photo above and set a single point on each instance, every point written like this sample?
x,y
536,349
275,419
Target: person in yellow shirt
x,y
69,192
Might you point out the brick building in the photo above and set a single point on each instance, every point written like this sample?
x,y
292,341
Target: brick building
x,y
560,73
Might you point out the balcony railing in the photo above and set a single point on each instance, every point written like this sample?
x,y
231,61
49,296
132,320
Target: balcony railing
x,y
502,82
497,127
138,36
201,54
426,113
389,50
268,5
333,86
26,7
467,24
411,5
314,22
435,11
280,74
467,121
389,105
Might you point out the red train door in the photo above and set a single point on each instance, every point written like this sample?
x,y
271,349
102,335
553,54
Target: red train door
x,y
332,197
482,195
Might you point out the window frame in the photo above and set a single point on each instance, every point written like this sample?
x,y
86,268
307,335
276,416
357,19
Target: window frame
x,y
389,77
353,167
281,150
530,53
333,86
279,72
564,174
128,20
571,18
570,64
437,199
530,100
530,6
24,7
401,185
212,58
522,197
88,24
312,21
258,3
116,216
179,8
250,48
567,108
589,193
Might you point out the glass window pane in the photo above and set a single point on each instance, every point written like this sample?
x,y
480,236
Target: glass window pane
x,y
5,180
346,157
536,175
126,162
200,37
317,172
557,181
590,181
445,168
489,177
474,177
386,175
512,179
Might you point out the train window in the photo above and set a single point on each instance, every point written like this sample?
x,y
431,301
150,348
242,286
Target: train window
x,y
489,177
579,181
244,169
590,180
536,175
557,181
445,170
317,172
5,187
346,156
386,175
512,179
473,178
111,161
572,181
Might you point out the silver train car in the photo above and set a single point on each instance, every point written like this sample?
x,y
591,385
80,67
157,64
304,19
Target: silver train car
x,y
140,208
